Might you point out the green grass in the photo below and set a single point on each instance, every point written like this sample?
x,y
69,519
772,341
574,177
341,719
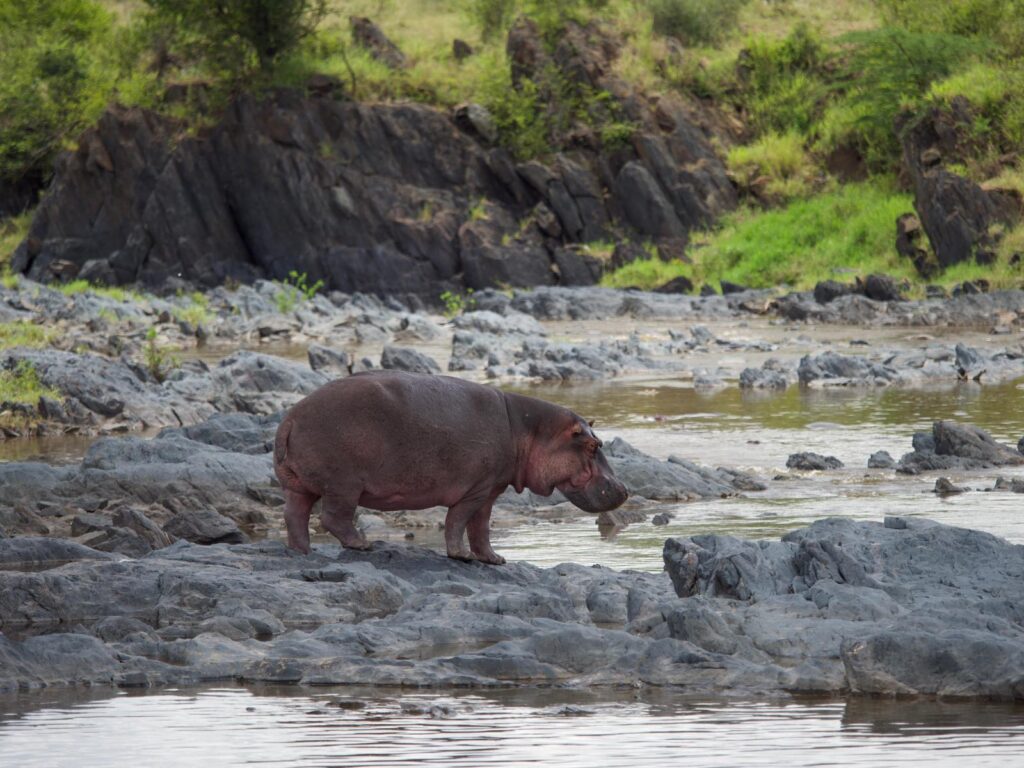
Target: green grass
x,y
647,273
22,385
24,334
195,311
12,232
779,158
76,287
846,231
852,227
847,228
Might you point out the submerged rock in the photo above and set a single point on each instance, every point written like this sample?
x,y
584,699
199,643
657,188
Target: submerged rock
x,y
813,461
881,460
945,487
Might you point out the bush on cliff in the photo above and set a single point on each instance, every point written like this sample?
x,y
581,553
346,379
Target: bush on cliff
x,y
238,36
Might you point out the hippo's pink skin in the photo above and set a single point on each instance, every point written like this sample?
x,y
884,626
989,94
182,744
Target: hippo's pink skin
x,y
389,440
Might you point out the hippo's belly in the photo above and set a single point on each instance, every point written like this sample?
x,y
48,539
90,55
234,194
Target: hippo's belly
x,y
409,500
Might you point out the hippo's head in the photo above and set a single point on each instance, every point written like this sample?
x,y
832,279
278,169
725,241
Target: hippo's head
x,y
588,481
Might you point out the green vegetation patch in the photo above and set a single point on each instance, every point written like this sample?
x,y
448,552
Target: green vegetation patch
x,y
76,287
12,232
22,385
779,160
24,334
850,227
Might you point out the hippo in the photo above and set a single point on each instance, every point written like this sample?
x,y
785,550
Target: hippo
x,y
391,440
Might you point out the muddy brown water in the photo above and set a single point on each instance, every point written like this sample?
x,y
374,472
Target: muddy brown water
x,y
662,415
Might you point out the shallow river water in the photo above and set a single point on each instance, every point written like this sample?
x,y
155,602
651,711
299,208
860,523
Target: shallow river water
x,y
291,727
756,432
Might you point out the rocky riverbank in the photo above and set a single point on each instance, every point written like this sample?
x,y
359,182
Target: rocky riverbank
x,y
908,607
112,361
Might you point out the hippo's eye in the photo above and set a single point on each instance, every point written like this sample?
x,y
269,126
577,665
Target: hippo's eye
x,y
577,429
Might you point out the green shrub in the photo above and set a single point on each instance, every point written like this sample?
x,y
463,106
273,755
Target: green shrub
x,y
492,16
892,69
56,74
782,85
238,36
696,22
160,360
551,15
794,103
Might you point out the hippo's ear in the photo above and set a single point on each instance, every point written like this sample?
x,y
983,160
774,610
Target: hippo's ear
x,y
592,422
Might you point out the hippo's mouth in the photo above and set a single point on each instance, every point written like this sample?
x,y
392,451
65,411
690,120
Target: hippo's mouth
x,y
599,495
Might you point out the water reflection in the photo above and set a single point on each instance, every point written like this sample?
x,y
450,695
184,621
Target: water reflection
x,y
281,726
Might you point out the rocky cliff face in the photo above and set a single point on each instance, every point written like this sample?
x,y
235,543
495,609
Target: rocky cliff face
x,y
384,198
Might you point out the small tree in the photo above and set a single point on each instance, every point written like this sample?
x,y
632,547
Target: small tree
x,y
237,34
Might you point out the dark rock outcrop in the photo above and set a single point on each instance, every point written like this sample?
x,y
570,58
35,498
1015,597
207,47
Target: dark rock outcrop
x,y
957,446
957,214
911,607
833,369
380,198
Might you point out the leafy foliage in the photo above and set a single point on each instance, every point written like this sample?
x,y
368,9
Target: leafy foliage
x,y
55,77
240,35
892,68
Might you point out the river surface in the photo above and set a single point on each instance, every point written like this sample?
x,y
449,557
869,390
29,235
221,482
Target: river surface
x,y
353,727
663,415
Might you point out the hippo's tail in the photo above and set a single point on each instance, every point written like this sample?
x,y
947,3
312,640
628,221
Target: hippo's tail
x,y
281,442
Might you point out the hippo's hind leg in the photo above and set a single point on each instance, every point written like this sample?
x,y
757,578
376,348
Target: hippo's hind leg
x,y
479,529
338,515
296,518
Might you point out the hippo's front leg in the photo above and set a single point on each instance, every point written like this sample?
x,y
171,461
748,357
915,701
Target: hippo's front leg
x,y
479,529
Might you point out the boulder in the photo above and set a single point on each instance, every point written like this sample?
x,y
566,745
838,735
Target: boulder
x,y
828,290
813,461
762,378
833,369
881,460
369,36
882,288
407,359
958,216
204,526
957,446
331,362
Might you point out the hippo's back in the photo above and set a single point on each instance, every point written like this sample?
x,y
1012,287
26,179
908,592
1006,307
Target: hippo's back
x,y
359,423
